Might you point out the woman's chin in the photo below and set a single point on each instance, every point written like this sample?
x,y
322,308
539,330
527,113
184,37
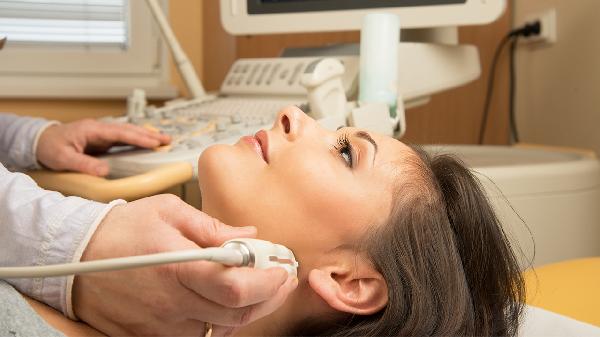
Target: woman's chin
x,y
229,178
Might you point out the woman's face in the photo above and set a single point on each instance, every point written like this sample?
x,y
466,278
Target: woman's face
x,y
302,186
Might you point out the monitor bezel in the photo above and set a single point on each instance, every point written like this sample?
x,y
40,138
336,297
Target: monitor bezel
x,y
237,21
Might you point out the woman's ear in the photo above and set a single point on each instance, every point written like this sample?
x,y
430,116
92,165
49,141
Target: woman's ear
x,y
353,286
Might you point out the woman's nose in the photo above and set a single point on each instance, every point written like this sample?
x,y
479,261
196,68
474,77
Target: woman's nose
x,y
292,122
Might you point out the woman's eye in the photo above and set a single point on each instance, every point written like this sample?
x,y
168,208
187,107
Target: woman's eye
x,y
346,154
344,148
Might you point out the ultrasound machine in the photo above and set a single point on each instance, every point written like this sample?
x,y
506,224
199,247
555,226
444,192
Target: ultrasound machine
x,y
429,59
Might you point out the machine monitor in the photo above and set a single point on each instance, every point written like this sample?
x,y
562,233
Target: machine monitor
x,y
241,17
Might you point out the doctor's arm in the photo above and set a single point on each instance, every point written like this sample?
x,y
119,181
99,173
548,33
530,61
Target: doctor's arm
x,y
66,146
28,143
18,139
40,227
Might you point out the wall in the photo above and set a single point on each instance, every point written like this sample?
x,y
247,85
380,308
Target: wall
x,y
558,86
184,19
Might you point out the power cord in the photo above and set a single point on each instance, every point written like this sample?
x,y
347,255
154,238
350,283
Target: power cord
x,y
512,92
527,30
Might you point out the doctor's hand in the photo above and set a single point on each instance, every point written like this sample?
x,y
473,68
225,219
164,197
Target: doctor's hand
x,y
173,299
66,146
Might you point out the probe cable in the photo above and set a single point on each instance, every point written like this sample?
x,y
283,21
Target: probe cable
x,y
226,256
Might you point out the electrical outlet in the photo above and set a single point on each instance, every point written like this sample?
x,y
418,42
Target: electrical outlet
x,y
548,27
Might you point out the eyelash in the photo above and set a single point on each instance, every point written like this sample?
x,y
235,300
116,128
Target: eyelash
x,y
344,147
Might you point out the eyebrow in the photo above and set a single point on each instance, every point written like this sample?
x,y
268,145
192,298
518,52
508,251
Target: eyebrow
x,y
367,137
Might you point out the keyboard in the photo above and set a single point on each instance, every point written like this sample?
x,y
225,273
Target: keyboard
x,y
194,126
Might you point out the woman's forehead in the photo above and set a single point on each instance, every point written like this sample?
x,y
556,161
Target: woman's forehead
x,y
392,164
392,157
391,150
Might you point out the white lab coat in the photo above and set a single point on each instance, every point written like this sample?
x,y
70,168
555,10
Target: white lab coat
x,y
39,227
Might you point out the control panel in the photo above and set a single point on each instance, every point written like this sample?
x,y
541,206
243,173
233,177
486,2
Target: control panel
x,y
281,76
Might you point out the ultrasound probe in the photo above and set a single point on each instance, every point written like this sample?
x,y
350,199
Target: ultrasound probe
x,y
244,252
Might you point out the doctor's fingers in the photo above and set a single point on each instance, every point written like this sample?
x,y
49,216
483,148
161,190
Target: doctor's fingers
x,y
224,331
79,162
202,229
199,328
150,132
268,307
198,308
232,287
127,134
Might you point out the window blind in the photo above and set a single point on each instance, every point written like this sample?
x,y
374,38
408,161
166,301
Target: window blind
x,y
73,22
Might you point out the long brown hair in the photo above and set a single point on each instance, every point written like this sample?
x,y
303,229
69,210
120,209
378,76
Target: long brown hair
x,y
448,264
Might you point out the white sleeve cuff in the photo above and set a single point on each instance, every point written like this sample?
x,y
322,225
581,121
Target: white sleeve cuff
x,y
18,140
79,252
36,140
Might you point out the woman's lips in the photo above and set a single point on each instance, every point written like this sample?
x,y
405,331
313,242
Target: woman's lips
x,y
263,140
258,143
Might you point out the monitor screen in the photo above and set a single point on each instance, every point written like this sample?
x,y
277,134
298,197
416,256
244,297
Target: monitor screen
x,y
296,6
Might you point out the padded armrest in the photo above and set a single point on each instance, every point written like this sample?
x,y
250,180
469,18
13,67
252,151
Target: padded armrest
x,y
570,288
105,190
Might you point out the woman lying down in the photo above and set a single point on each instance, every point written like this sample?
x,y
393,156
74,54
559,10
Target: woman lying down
x,y
391,241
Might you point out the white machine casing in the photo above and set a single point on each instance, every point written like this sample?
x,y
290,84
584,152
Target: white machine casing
x,y
447,67
547,198
323,81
